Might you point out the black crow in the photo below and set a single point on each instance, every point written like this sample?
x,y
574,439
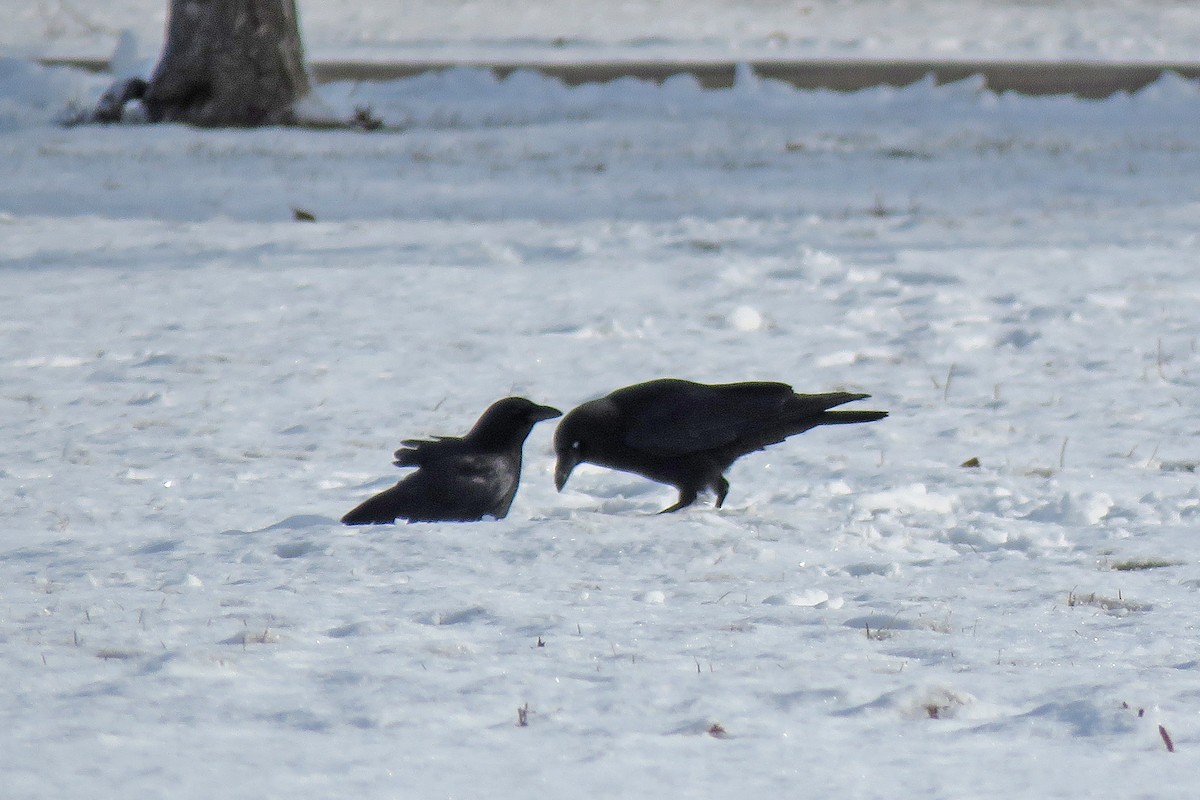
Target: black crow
x,y
459,479
687,434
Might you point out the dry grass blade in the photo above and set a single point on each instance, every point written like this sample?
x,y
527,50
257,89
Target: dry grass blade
x,y
1166,737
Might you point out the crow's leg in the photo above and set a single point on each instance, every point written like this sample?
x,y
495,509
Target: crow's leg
x,y
686,498
721,487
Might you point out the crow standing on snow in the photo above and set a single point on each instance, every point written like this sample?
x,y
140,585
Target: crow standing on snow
x,y
459,479
687,434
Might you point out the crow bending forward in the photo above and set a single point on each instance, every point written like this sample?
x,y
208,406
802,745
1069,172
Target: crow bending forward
x,y
459,479
687,434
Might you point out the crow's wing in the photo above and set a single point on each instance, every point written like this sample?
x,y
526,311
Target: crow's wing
x,y
465,487
419,452
679,417
459,489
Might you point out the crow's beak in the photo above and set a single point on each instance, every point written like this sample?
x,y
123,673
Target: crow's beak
x,y
562,470
539,413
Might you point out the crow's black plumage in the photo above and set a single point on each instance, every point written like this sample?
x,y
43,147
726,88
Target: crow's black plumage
x,y
687,434
459,479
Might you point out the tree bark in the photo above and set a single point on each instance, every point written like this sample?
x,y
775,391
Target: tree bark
x,y
229,63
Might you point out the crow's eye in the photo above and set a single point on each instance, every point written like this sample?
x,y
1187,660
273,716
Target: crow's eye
x,y
577,446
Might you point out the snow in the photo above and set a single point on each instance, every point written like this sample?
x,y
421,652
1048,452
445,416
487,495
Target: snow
x,y
194,387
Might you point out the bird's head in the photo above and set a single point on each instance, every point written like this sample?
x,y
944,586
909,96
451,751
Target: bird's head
x,y
572,442
509,421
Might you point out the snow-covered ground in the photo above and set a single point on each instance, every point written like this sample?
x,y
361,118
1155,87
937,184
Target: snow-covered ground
x,y
194,387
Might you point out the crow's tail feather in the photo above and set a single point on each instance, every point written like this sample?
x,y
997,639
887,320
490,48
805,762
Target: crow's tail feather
x,y
847,417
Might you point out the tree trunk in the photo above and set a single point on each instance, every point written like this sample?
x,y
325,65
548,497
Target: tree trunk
x,y
229,63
